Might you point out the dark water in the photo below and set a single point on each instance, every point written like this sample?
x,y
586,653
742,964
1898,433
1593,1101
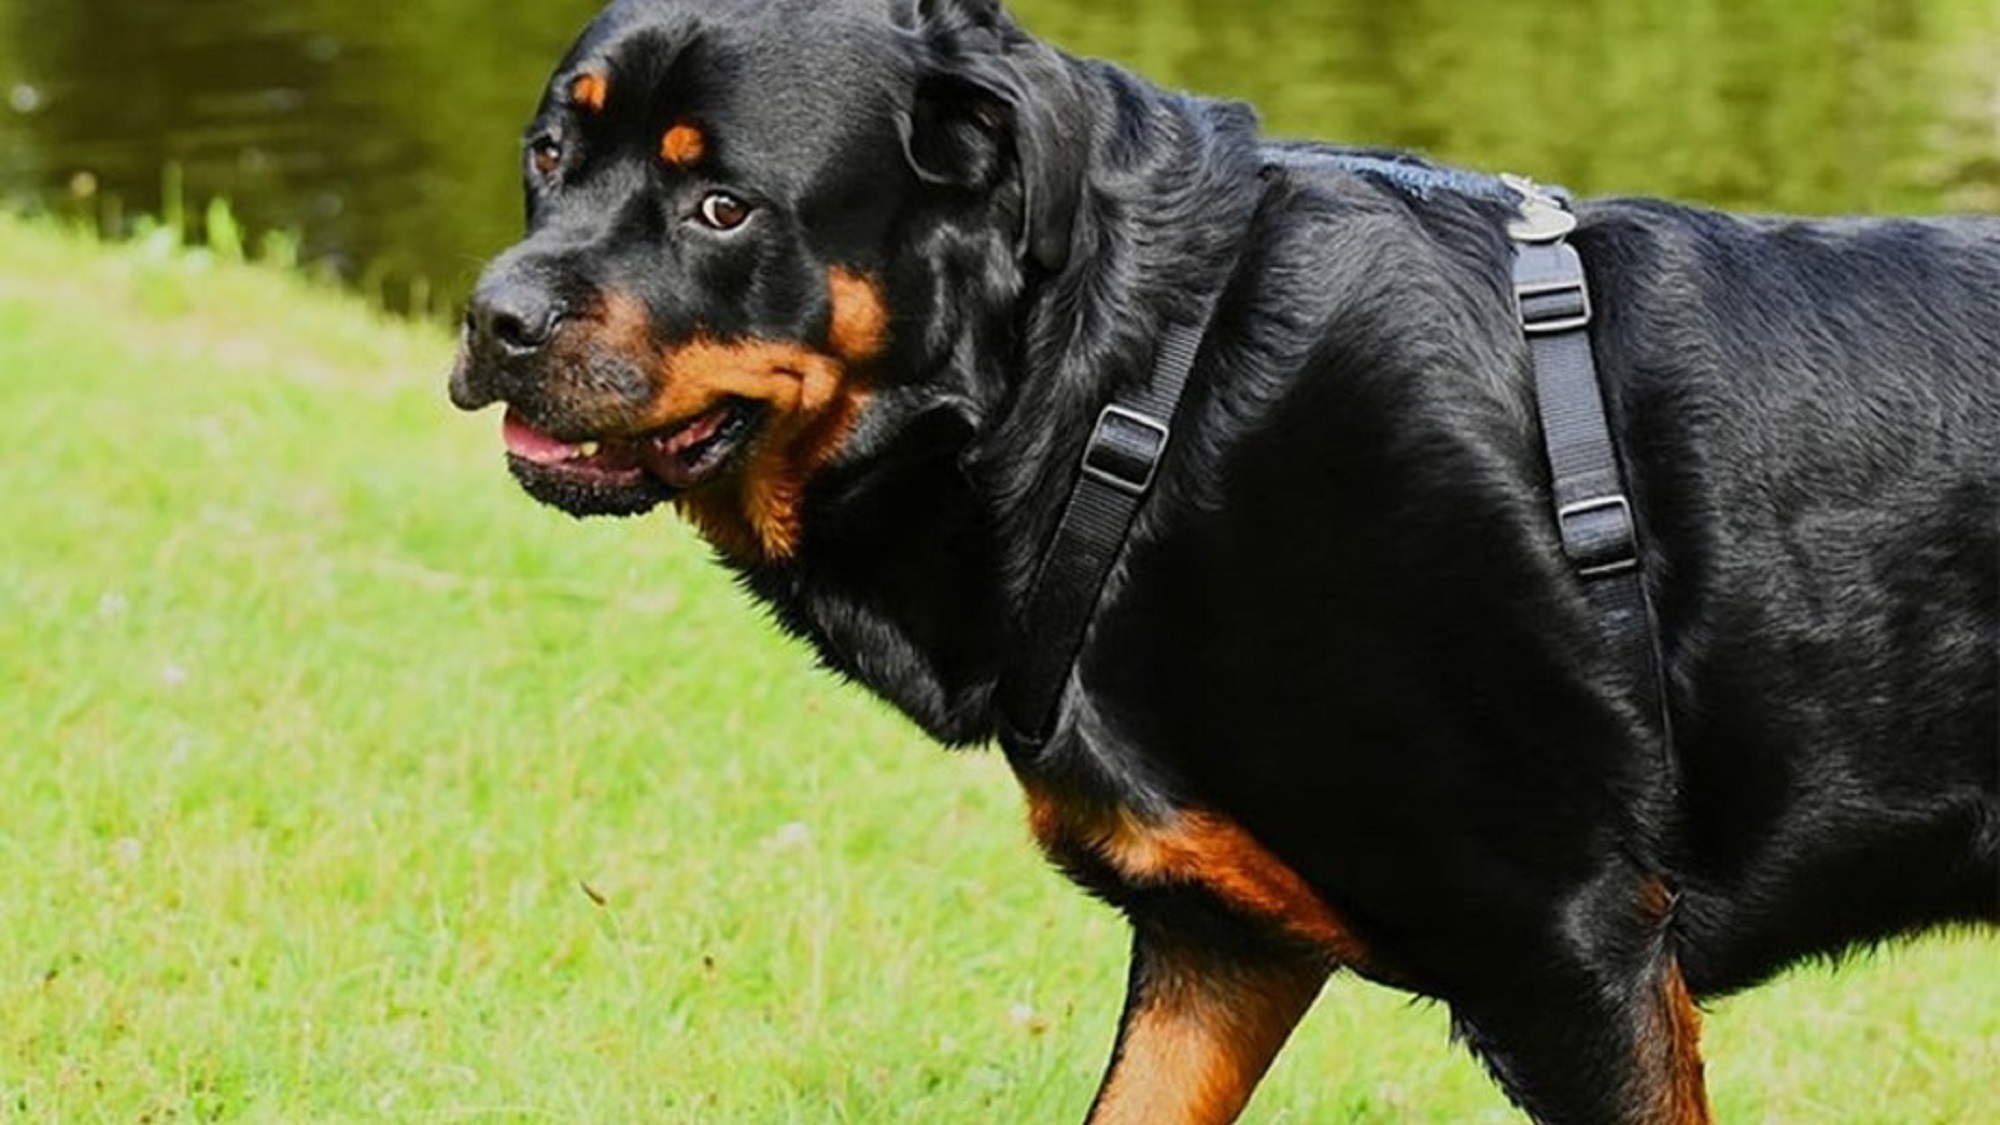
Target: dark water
x,y
386,133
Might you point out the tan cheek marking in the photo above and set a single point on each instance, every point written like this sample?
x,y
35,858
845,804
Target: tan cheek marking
x,y
1194,1052
590,92
813,406
624,327
616,325
701,373
683,145
860,322
814,399
1202,849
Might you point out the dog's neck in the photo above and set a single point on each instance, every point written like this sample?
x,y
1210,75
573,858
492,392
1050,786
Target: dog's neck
x,y
1172,184
920,612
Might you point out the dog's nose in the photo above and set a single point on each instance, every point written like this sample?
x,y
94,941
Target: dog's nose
x,y
511,318
509,322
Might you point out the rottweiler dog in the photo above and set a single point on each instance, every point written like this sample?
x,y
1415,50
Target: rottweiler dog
x,y
849,284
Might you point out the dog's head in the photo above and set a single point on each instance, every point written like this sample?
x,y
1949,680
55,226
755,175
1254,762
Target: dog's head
x,y
749,224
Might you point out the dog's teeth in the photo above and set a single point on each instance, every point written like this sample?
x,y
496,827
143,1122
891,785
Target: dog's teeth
x,y
586,451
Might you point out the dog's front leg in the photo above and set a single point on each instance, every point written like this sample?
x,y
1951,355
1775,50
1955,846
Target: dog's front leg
x,y
1202,1023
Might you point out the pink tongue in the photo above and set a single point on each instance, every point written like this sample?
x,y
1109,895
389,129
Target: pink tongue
x,y
530,444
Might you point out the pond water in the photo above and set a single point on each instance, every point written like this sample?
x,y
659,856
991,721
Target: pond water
x,y
385,134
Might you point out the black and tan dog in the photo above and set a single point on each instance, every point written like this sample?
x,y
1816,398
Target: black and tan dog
x,y
847,282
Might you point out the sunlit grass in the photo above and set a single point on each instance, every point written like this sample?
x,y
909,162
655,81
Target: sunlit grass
x,y
342,783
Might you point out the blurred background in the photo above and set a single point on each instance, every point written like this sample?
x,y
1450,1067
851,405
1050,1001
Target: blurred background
x,y
384,136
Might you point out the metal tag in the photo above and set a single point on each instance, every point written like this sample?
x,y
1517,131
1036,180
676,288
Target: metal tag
x,y
1542,217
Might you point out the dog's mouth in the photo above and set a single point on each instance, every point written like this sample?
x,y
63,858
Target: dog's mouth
x,y
629,474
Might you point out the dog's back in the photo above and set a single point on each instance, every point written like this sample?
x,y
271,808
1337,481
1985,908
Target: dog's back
x,y
1811,416
1813,427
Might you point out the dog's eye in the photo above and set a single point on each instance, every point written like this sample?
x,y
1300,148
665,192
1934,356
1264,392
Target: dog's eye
x,y
723,211
545,155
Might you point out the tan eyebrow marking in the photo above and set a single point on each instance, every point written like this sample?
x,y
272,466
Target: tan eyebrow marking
x,y
590,91
683,145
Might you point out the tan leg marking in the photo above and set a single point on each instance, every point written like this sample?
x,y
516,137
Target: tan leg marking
x,y
1199,1037
1671,1054
1200,1028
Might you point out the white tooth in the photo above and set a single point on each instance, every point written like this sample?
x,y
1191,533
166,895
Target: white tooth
x,y
586,451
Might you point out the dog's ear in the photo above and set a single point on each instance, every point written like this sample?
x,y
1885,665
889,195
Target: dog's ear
x,y
957,132
986,89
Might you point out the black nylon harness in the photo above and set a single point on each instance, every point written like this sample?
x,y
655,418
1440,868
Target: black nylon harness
x,y
1116,473
1593,514
1593,511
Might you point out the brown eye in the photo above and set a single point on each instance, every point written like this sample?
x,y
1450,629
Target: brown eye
x,y
723,211
545,155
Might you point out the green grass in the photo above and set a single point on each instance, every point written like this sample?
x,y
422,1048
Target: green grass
x,y
340,782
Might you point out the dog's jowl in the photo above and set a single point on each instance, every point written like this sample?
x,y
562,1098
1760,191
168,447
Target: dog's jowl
x,y
1218,483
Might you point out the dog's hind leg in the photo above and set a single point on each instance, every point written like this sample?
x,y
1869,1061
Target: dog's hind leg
x,y
1202,1022
1582,1051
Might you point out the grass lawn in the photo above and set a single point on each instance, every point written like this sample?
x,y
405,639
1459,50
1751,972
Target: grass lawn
x,y
341,782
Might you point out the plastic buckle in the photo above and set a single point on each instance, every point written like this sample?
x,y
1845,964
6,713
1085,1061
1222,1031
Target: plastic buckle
x,y
1125,449
1543,316
1595,552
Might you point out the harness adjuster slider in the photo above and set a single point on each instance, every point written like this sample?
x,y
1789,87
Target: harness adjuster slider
x,y
1548,307
1599,535
1125,449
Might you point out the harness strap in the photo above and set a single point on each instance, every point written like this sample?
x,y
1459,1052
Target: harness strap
x,y
1593,515
1592,511
1117,469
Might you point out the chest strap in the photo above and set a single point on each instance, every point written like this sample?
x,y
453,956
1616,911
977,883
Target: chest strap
x,y
1117,470
1593,513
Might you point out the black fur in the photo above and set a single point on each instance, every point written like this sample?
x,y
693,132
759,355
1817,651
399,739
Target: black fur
x,y
1342,620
